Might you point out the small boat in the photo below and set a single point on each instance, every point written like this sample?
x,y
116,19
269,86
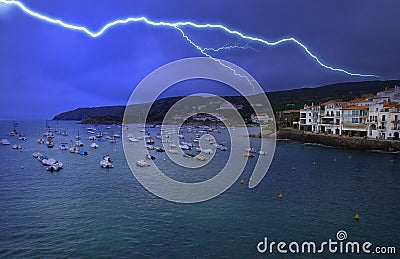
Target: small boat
x,y
185,147
36,154
142,163
41,141
251,149
188,155
64,133
150,157
94,146
198,149
73,150
21,137
42,157
207,151
106,162
248,154
223,148
197,140
92,138
201,158
78,143
49,161
150,147
16,146
181,136
160,149
55,167
50,143
82,152
150,142
64,146
5,142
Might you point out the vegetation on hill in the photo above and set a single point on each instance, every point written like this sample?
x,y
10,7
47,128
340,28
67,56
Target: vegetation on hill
x,y
280,100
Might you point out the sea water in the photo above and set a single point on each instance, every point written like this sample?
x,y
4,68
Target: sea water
x,y
87,211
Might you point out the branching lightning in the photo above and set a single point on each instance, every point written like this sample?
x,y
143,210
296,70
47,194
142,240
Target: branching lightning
x,y
178,26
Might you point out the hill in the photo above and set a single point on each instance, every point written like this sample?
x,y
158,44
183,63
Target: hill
x,y
280,100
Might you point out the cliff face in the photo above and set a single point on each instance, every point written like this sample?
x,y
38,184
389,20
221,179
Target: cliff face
x,y
339,141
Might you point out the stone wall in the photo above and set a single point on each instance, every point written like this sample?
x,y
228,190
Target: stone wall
x,y
338,141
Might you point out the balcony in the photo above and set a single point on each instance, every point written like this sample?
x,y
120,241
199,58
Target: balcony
x,y
354,126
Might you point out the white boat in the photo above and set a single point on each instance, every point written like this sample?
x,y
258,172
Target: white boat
x,y
20,137
207,151
150,157
64,146
92,138
197,140
16,146
185,147
198,149
142,163
48,162
36,154
41,141
74,150
251,149
5,142
94,145
106,162
181,136
150,147
78,143
132,139
55,167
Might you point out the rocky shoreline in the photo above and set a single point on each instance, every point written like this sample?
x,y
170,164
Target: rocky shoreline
x,y
338,141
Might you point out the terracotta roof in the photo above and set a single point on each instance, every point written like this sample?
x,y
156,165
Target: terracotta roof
x,y
331,101
358,100
356,107
390,104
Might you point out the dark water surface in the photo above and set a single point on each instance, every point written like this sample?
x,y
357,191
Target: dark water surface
x,y
87,211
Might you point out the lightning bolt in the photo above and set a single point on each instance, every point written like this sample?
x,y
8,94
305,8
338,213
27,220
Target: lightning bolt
x,y
230,47
178,26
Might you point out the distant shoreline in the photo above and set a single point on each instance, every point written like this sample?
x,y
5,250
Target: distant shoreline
x,y
337,141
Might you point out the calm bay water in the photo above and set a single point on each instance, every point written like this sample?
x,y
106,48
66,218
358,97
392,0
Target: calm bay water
x,y
87,211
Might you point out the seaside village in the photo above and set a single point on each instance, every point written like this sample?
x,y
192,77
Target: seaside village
x,y
370,116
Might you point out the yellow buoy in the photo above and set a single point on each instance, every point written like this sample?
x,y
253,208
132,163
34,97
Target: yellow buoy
x,y
241,181
280,196
391,161
357,217
251,179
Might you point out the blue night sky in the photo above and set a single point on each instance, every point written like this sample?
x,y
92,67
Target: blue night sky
x,y
46,69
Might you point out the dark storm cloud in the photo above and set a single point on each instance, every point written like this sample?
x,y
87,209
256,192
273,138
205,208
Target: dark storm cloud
x,y
50,69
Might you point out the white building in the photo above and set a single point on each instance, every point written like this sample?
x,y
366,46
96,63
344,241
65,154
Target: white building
x,y
306,118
